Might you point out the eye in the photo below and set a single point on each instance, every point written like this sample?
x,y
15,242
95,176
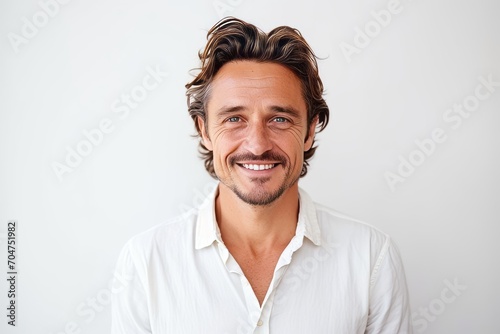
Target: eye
x,y
280,119
233,119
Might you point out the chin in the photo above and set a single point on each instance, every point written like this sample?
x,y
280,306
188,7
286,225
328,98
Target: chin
x,y
259,192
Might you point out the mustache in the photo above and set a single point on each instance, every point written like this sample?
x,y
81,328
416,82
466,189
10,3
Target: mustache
x,y
266,156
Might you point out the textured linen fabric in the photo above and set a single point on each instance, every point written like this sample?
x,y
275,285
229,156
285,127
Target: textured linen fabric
x,y
337,275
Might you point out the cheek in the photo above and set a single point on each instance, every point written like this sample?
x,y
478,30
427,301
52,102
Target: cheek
x,y
224,143
292,145
221,132
295,140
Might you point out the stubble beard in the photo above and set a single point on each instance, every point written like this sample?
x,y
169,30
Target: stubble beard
x,y
260,196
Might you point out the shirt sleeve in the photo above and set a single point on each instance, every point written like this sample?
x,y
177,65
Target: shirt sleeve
x,y
389,311
129,312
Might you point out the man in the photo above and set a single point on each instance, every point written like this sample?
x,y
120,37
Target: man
x,y
259,256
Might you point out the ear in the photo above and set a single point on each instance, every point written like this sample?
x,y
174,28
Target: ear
x,y
204,135
312,131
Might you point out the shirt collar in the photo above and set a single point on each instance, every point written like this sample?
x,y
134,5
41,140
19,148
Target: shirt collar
x,y
308,218
207,230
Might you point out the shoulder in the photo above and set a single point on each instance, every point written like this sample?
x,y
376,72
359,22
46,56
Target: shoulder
x,y
164,244
171,235
353,235
341,229
329,219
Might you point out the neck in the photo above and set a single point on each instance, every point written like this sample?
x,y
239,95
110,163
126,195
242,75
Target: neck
x,y
257,228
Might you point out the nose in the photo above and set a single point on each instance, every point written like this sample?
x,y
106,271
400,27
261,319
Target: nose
x,y
257,140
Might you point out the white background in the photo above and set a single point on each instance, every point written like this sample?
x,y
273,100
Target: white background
x,y
64,79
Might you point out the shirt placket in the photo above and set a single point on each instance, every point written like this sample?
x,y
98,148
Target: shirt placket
x,y
246,324
264,320
259,318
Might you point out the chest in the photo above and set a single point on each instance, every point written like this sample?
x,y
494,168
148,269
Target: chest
x,y
316,288
258,270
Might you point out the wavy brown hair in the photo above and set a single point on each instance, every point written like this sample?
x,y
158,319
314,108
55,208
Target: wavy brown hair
x,y
232,39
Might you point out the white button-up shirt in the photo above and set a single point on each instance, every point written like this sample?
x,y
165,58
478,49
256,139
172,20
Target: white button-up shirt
x,y
337,275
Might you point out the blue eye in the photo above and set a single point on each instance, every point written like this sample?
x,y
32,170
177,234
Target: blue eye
x,y
233,119
280,119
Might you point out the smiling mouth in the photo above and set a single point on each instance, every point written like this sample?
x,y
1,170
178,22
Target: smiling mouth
x,y
258,166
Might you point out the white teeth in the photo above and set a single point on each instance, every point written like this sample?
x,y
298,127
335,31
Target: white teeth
x,y
258,167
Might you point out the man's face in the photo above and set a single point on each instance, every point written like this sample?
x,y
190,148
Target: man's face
x,y
257,126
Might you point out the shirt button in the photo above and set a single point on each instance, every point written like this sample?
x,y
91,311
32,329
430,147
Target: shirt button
x,y
259,323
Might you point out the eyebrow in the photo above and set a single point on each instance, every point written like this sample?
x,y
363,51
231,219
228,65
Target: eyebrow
x,y
224,111
228,110
286,110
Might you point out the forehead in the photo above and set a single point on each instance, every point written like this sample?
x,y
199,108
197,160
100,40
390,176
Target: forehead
x,y
253,82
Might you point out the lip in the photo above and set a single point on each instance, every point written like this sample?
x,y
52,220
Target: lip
x,y
258,162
